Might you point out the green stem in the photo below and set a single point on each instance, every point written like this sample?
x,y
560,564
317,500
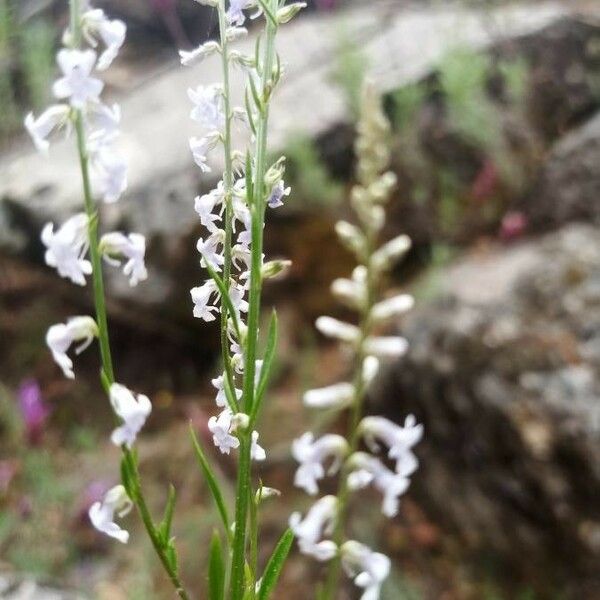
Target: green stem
x,y
100,303
343,493
257,209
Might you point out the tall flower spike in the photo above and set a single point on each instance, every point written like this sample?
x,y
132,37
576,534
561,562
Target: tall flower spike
x,y
313,454
60,338
66,248
132,411
102,514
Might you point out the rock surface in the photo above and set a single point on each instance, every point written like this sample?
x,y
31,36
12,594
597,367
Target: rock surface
x,y
568,186
504,371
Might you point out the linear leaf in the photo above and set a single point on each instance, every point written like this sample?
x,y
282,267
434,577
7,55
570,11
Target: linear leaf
x,y
216,569
275,565
266,366
211,480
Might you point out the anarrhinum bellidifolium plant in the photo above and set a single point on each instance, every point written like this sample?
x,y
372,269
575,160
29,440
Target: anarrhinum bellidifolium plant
x,y
322,533
231,252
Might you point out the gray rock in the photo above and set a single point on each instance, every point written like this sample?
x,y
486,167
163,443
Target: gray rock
x,y
504,371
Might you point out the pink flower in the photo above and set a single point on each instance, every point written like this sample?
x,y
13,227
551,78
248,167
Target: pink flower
x,y
514,224
33,409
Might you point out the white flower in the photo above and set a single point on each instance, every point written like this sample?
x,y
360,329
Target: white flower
x,y
133,413
399,440
277,194
338,395
391,252
235,14
105,121
110,171
208,106
313,454
102,514
132,247
318,521
200,147
204,206
370,470
208,248
221,428
233,34
201,297
257,452
351,237
60,337
77,84
66,248
386,347
368,569
392,307
39,129
188,57
112,32
219,384
334,328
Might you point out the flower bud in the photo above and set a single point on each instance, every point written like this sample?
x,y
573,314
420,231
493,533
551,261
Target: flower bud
x,y
334,328
264,493
273,268
392,307
287,13
275,172
391,252
351,237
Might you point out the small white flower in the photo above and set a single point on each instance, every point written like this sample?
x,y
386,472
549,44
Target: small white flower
x,y
352,292
109,171
60,337
386,347
319,521
132,411
102,514
313,454
105,121
66,248
399,440
189,57
219,384
221,428
208,248
112,32
200,148
391,252
351,237
368,569
232,34
201,297
77,84
208,106
205,205
39,129
131,247
235,14
392,307
338,395
370,470
334,328
257,452
277,194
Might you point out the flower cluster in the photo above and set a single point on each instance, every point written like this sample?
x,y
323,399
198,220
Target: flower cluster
x,y
225,214
321,532
67,247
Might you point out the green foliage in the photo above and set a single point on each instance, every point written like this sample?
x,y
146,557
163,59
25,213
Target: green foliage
x,y
216,569
275,565
308,175
407,101
37,44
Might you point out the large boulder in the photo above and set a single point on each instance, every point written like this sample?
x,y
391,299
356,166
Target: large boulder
x,y
504,371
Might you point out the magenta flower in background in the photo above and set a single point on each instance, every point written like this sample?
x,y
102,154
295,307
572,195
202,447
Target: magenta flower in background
x,y
513,225
34,410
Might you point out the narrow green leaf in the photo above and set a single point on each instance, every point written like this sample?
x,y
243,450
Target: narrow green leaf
x,y
268,12
211,480
266,366
230,395
248,175
216,569
256,97
164,529
275,565
249,112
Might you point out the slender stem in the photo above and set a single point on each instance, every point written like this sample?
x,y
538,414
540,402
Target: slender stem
x,y
228,187
257,209
100,304
343,493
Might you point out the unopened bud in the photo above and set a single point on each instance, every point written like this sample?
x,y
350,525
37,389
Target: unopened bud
x,y
264,493
273,268
287,13
351,237
391,252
